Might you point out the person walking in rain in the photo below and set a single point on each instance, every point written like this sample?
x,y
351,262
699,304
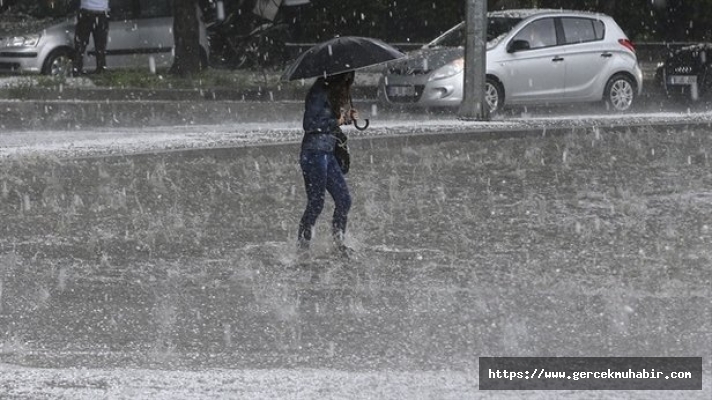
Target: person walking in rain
x,y
324,113
92,19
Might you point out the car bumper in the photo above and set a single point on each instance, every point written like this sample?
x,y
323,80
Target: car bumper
x,y
638,72
687,85
418,91
19,60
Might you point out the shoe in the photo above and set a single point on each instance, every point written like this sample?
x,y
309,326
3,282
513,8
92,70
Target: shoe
x,y
303,253
345,252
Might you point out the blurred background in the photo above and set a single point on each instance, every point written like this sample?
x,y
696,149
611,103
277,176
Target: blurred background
x,y
278,27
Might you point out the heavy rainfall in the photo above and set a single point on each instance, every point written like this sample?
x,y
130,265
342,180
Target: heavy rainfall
x,y
150,210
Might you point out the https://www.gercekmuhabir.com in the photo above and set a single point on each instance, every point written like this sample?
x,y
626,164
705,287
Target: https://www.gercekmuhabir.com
x,y
590,373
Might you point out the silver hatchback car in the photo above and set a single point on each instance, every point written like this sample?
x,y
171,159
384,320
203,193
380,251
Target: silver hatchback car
x,y
140,35
533,57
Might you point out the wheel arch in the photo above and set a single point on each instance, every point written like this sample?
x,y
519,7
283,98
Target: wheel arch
x,y
606,97
495,78
68,50
627,74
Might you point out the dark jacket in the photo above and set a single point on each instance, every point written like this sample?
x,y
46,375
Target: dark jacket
x,y
320,122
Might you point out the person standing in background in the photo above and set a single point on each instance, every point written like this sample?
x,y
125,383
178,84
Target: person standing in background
x,y
92,19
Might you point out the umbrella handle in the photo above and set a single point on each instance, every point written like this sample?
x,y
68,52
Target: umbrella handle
x,y
361,128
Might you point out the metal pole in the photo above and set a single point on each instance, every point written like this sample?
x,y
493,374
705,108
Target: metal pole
x,y
474,106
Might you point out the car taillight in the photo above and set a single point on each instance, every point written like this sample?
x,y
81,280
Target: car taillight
x,y
627,44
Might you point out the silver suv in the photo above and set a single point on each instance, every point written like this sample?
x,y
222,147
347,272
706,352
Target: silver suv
x,y
533,57
140,35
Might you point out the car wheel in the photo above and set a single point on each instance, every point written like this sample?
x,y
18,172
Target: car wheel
x,y
494,95
58,63
619,93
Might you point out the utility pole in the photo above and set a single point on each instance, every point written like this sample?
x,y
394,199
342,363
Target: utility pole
x,y
474,106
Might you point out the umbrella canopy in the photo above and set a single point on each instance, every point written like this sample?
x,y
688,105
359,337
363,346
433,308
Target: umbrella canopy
x,y
341,54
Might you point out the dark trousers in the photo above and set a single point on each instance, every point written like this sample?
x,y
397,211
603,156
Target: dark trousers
x,y
95,24
322,174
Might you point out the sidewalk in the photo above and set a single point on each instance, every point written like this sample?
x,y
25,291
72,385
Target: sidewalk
x,y
283,128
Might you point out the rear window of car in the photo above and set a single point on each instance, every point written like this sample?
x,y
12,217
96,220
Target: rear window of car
x,y
581,30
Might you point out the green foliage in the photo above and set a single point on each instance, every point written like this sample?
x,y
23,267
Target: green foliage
x,y
421,20
36,8
395,21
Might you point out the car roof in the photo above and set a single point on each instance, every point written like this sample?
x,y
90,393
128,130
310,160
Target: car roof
x,y
523,13
520,14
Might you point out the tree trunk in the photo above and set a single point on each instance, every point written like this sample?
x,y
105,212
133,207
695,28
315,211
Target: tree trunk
x,y
473,104
186,35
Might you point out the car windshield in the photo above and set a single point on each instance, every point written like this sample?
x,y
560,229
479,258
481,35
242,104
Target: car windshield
x,y
496,27
39,9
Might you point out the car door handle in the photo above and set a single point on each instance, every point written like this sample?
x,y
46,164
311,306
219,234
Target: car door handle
x,y
557,59
606,55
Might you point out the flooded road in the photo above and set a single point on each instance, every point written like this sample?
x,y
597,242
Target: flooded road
x,y
127,275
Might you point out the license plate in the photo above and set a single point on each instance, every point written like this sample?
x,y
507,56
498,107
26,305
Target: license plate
x,y
682,79
401,91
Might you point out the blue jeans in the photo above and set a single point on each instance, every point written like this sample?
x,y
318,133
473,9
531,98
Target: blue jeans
x,y
322,174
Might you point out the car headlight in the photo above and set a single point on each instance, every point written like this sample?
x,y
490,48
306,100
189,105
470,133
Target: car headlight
x,y
451,69
21,41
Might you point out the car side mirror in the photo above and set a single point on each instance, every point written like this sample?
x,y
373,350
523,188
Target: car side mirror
x,y
518,45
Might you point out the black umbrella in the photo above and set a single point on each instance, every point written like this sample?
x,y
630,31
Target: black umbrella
x,y
341,54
